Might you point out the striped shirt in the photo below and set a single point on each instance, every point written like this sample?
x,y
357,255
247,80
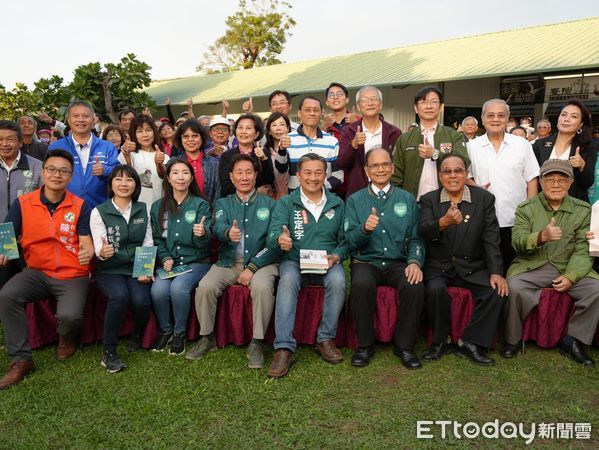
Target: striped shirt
x,y
325,145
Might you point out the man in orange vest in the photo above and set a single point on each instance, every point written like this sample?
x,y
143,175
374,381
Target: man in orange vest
x,y
52,226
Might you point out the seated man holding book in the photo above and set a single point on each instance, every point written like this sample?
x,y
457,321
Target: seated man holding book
x,y
307,225
241,225
552,251
52,226
381,228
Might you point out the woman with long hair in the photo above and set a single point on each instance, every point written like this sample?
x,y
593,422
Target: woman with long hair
x,y
572,143
248,130
190,142
148,159
114,134
118,226
181,230
277,129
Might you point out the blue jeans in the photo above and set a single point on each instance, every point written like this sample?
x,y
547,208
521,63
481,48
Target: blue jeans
x,y
176,291
289,285
122,290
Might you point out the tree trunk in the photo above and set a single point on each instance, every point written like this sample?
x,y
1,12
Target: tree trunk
x,y
108,99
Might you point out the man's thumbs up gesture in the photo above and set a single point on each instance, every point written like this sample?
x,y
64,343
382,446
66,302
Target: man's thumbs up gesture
x,y
359,138
372,221
235,232
551,232
98,168
285,239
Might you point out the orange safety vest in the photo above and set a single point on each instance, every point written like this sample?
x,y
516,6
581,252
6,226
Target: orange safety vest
x,y
51,243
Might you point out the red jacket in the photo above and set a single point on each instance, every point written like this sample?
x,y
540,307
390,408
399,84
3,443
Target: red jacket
x,y
51,243
352,160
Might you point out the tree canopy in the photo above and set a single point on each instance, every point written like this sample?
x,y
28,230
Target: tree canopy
x,y
109,88
256,35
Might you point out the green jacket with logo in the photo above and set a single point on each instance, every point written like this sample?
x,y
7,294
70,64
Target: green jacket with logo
x,y
123,236
177,240
326,234
394,239
253,219
408,164
569,255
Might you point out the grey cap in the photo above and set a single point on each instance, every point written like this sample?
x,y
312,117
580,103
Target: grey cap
x,y
557,165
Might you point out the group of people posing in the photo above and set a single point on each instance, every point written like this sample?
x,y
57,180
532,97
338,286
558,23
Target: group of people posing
x,y
419,211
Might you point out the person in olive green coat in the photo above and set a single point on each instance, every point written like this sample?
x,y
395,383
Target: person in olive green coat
x,y
241,225
549,237
181,230
417,151
118,226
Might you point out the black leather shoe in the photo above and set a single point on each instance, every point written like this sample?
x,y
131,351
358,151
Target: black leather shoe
x,y
436,351
362,356
575,351
509,350
408,358
475,354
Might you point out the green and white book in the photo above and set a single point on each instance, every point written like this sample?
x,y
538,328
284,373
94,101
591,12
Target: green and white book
x,y
175,272
145,259
8,241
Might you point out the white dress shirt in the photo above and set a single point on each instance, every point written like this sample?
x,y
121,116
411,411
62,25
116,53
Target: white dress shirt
x,y
373,138
429,180
315,208
508,170
83,151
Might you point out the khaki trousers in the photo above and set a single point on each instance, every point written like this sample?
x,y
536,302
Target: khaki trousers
x,y
219,278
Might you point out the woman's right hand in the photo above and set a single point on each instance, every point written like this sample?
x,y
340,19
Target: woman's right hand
x,y
589,235
168,265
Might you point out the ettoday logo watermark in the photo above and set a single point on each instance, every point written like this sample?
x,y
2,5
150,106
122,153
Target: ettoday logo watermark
x,y
445,429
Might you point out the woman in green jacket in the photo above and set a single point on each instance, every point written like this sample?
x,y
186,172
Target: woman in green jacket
x,y
181,230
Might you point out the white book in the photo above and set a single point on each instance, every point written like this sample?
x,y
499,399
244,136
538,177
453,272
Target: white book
x,y
313,261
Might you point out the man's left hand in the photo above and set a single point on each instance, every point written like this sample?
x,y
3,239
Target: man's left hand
x,y
499,283
245,277
562,284
333,259
413,273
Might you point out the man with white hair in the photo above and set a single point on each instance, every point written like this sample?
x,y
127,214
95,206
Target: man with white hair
x,y
506,165
469,128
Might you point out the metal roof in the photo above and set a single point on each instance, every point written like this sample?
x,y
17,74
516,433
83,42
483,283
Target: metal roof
x,y
549,48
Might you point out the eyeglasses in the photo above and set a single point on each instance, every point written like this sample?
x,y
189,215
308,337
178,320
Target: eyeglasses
x,y
339,94
428,102
54,170
220,129
365,100
561,182
458,171
377,166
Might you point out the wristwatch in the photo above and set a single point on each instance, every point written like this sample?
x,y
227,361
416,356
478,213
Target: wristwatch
x,y
435,155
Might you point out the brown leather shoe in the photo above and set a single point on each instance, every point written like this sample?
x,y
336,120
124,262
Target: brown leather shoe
x,y
66,348
281,363
16,373
329,352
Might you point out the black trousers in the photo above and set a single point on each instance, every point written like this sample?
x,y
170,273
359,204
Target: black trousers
x,y
485,318
365,278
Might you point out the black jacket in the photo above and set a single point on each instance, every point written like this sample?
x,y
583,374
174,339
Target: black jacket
x,y
469,249
588,151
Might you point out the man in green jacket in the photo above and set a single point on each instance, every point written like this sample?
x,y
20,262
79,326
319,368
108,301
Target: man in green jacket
x,y
417,151
241,222
380,224
552,251
310,218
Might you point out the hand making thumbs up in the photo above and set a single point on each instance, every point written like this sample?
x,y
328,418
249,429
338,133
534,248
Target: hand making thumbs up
x,y
259,152
107,249
359,138
551,232
285,141
158,156
372,221
285,239
235,232
98,168
84,255
248,106
576,161
198,228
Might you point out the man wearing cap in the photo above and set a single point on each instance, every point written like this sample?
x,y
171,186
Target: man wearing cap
x,y
551,251
219,134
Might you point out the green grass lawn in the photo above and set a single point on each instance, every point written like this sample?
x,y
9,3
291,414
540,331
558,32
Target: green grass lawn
x,y
165,401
